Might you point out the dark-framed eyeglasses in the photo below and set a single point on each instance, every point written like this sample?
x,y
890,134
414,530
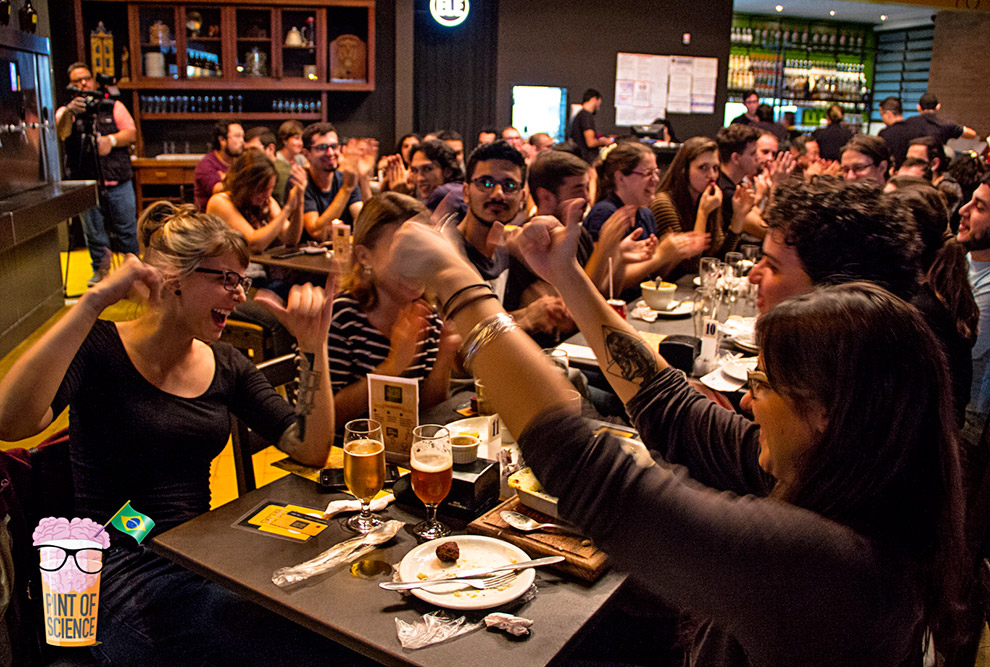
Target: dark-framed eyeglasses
x,y
231,279
487,184
757,379
647,173
88,560
856,168
323,148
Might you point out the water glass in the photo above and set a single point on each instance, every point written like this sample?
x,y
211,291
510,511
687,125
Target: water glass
x,y
558,358
708,272
706,305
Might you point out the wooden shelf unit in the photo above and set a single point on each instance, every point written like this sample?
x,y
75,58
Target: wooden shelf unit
x,y
332,18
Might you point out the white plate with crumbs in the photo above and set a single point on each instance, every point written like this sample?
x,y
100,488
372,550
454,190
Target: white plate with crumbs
x,y
477,551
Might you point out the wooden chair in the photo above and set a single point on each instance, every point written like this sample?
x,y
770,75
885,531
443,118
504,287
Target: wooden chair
x,y
282,374
250,338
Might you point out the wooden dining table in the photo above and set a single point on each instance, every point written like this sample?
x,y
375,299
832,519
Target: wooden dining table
x,y
317,264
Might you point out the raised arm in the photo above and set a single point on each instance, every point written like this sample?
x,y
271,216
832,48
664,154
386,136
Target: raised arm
x,y
29,387
307,316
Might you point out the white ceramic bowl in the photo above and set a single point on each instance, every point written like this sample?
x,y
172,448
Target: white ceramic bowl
x,y
464,448
657,296
531,493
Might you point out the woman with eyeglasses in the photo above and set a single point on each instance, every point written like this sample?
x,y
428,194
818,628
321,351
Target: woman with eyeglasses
x,y
627,183
380,322
828,531
149,409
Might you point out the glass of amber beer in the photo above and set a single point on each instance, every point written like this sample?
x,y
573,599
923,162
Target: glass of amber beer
x,y
364,469
431,461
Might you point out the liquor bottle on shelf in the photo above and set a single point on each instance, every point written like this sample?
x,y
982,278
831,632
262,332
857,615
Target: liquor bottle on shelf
x,y
29,17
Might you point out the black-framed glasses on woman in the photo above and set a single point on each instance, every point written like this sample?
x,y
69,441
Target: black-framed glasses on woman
x,y
756,380
231,279
88,560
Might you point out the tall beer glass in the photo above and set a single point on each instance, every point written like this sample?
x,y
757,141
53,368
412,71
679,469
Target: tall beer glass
x,y
364,469
431,462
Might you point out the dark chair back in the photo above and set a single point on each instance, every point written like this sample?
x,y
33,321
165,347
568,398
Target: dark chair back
x,y
281,373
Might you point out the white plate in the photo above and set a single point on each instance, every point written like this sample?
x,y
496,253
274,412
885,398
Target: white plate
x,y
312,249
682,310
737,368
719,381
476,551
745,343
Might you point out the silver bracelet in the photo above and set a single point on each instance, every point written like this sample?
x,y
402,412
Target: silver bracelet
x,y
309,383
485,332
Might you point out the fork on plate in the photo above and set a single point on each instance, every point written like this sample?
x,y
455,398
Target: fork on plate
x,y
480,584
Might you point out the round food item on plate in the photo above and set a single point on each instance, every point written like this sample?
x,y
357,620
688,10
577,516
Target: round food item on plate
x,y
448,552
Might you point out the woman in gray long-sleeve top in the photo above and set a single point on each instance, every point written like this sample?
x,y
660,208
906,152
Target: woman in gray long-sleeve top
x,y
828,532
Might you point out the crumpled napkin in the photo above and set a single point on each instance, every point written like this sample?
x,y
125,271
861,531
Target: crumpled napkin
x,y
643,312
514,625
437,627
338,506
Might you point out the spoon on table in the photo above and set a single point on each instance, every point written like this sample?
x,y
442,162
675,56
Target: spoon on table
x,y
527,525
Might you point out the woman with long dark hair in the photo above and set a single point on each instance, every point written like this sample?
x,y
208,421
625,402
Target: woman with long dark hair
x,y
627,180
826,531
247,205
689,199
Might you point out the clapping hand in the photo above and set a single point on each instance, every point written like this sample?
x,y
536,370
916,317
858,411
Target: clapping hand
x,y
781,167
407,333
633,250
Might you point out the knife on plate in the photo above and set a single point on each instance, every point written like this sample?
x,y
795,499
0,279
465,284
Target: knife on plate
x,y
472,574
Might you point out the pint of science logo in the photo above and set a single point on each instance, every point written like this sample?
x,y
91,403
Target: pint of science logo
x,y
450,13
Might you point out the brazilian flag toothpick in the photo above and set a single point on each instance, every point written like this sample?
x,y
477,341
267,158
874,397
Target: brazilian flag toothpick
x,y
131,522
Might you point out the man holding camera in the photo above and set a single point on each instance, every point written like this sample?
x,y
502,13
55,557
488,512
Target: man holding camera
x,y
78,122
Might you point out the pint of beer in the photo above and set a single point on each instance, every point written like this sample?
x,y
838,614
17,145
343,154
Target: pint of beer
x,y
431,478
364,468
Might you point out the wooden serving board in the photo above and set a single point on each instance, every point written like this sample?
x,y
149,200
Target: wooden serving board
x,y
582,558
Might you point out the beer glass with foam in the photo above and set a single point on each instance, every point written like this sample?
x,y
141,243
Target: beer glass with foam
x,y
364,469
431,461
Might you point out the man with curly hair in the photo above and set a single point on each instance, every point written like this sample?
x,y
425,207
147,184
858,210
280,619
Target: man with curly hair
x,y
830,232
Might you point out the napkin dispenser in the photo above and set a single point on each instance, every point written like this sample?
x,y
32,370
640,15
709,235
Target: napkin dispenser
x,y
680,351
474,488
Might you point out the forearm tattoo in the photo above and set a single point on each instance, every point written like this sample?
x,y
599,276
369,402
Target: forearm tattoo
x,y
627,356
309,383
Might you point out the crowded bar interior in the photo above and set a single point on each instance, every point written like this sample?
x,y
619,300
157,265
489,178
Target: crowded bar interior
x,y
450,332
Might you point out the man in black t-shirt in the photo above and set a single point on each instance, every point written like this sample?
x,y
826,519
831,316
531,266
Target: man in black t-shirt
x,y
583,131
926,124
335,187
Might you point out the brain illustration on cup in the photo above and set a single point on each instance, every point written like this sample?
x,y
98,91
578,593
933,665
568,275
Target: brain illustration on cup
x,y
71,559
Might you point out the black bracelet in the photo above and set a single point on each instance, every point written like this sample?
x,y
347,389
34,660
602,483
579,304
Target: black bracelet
x,y
453,296
465,304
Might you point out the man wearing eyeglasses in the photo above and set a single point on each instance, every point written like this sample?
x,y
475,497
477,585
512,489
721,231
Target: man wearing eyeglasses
x,y
115,131
335,189
228,143
494,191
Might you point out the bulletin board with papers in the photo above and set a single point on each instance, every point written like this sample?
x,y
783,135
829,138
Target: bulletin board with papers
x,y
649,87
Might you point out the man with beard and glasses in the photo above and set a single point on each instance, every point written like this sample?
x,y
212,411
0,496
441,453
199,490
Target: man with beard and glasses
x,y
974,233
494,190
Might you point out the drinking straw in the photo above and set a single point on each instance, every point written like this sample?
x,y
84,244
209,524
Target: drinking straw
x,y
610,295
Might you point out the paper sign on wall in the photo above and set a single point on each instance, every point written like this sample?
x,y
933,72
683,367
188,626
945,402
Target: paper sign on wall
x,y
648,87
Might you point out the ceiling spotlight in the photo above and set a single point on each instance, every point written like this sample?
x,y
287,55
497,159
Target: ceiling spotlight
x,y
883,17
779,8
831,12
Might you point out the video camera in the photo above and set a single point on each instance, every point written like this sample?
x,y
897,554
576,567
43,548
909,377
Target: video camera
x,y
98,100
